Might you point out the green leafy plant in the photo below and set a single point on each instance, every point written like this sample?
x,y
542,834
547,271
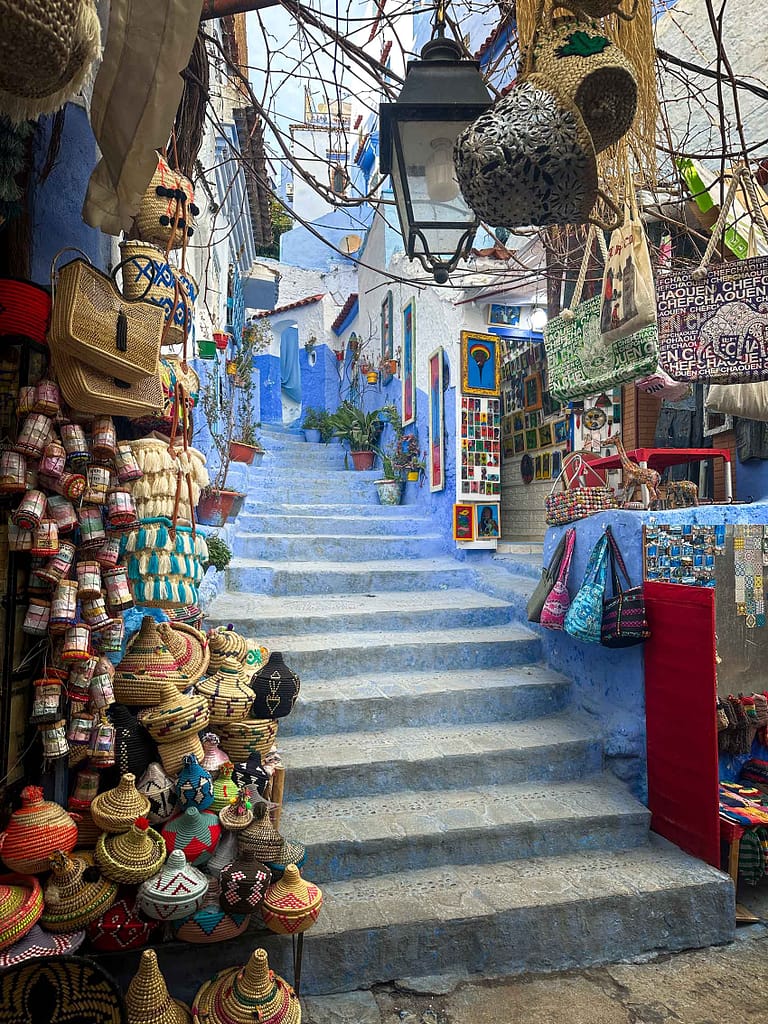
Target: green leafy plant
x,y
359,430
219,553
394,458
311,419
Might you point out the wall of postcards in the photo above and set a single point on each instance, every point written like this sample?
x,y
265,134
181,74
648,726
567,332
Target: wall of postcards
x,y
682,552
480,435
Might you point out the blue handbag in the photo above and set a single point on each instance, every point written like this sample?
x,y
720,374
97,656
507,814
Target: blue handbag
x,y
584,618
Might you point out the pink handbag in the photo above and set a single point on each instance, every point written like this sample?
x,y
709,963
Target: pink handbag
x,y
559,600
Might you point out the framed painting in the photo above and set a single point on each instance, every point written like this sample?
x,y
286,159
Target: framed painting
x,y
409,362
545,435
387,337
500,315
532,439
532,391
463,522
436,420
480,373
487,521
519,446
561,431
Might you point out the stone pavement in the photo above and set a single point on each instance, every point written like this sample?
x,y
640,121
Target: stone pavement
x,y
708,986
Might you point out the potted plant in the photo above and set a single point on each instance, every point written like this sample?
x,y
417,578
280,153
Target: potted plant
x,y
416,461
245,445
311,425
326,426
221,340
360,431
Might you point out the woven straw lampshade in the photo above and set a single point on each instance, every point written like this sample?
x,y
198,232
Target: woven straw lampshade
x,y
36,831
131,857
242,995
238,814
226,643
75,895
229,697
148,1000
118,808
189,647
21,904
291,905
146,666
175,715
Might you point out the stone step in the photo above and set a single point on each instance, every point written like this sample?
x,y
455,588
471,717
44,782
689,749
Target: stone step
x,y
323,511
291,547
302,457
261,616
520,564
330,765
387,700
363,524
305,491
364,577
278,475
361,837
330,656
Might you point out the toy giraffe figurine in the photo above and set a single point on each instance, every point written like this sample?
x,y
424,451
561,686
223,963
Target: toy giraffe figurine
x,y
634,476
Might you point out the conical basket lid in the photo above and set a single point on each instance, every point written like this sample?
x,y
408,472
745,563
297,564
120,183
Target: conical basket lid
x,y
189,648
148,654
262,837
292,894
238,814
178,882
118,808
252,993
226,643
75,894
148,1000
140,850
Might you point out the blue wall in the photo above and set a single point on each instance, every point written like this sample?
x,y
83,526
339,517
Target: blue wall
x,y
751,479
271,389
320,383
609,684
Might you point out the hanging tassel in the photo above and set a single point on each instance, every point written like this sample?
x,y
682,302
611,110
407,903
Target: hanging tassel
x,y
153,565
164,563
174,568
161,540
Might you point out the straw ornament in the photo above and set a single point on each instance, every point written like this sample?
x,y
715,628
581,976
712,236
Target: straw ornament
x,y
247,994
188,646
36,830
75,894
229,697
131,857
118,808
238,814
148,1000
291,905
21,904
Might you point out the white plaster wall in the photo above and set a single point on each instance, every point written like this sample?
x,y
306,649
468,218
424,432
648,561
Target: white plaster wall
x,y
314,320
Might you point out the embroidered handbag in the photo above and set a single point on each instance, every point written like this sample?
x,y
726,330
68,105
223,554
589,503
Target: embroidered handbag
x,y
584,618
579,361
577,500
624,619
713,324
545,584
559,600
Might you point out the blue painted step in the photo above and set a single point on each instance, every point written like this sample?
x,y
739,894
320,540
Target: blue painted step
x,y
292,547
363,524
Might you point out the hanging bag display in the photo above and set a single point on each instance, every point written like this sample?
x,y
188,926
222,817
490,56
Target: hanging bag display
x,y
559,600
167,212
579,362
93,322
628,299
147,272
545,584
624,620
578,499
583,620
713,324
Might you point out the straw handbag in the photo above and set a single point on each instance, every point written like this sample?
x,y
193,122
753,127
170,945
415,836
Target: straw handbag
x,y
167,212
89,390
94,323
581,500
148,275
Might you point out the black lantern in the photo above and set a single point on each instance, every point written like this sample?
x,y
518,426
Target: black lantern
x,y
442,94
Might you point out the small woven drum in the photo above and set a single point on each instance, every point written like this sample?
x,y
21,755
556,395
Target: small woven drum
x,y
148,999
104,438
54,459
131,857
30,511
118,808
13,472
230,997
34,434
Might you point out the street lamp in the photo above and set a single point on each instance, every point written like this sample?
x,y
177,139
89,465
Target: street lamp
x,y
442,94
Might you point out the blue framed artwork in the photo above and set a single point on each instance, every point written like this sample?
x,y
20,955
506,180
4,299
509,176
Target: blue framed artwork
x,y
500,315
480,373
409,362
387,339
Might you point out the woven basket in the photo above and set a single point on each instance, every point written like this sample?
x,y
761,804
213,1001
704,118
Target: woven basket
x,y
118,808
121,927
226,643
172,751
215,758
21,904
141,677
252,736
291,905
176,892
276,688
261,838
238,815
160,789
177,715
36,831
230,997
165,566
224,789
189,648
88,831
86,389
243,883
144,263
580,62
131,857
75,895
212,922
167,212
148,1000
195,832
229,698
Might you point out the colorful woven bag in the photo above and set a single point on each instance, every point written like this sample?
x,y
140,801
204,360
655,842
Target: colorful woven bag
x,y
584,618
624,620
559,600
165,565
578,499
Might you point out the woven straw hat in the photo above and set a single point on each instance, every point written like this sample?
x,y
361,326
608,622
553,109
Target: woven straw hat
x,y
226,643
188,646
148,1000
118,808
75,894
146,666
241,995
291,905
238,814
131,857
46,53
176,714
21,904
229,697
39,943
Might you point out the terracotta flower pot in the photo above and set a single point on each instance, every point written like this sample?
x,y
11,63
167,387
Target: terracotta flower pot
x,y
239,451
221,338
215,508
363,460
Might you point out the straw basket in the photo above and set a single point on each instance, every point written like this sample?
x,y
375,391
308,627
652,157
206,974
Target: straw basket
x,y
21,904
118,808
146,265
167,212
36,830
172,751
148,1000
175,716
291,905
229,698
252,736
131,857
188,646
232,995
75,895
226,643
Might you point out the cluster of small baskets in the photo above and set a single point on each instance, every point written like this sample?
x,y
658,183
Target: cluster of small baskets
x,y
182,842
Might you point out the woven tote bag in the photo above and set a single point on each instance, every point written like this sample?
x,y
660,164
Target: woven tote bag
x,y
559,600
167,212
713,321
148,274
89,390
584,618
624,620
97,325
579,362
578,499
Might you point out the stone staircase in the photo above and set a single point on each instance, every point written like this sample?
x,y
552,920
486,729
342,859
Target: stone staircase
x,y
455,807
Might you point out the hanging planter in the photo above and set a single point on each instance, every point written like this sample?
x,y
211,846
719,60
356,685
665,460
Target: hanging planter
x,y
250,454
216,507
372,376
221,339
339,354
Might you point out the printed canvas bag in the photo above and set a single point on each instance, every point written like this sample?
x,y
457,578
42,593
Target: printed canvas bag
x,y
559,600
628,301
584,619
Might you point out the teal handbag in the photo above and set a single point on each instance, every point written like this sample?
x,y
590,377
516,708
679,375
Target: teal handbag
x,y
584,619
